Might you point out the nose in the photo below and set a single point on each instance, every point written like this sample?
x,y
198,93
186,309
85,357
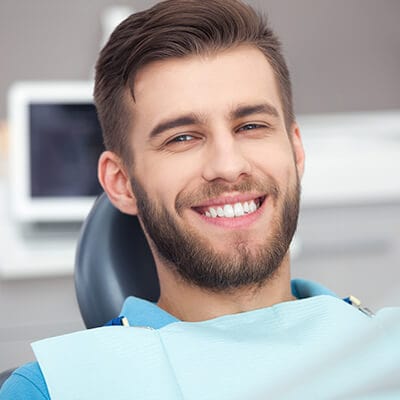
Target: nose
x,y
225,160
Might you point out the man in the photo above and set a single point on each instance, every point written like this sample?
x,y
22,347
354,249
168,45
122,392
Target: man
x,y
194,98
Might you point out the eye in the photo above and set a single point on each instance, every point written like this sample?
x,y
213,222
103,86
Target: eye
x,y
250,127
181,142
181,138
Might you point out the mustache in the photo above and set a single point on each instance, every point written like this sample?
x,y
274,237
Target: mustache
x,y
215,189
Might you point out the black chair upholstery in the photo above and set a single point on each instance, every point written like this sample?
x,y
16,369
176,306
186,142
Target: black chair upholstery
x,y
4,375
113,261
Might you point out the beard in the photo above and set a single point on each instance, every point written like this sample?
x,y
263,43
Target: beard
x,y
192,257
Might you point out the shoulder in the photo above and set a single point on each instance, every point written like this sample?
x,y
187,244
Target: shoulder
x,y
26,382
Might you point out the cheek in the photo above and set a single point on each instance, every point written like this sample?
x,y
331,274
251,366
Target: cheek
x,y
165,177
276,160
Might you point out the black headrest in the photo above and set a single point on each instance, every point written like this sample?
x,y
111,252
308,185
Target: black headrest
x,y
113,261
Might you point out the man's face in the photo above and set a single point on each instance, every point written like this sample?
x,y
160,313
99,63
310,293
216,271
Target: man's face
x,y
214,173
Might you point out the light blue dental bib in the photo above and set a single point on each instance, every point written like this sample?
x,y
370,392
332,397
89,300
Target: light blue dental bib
x,y
314,348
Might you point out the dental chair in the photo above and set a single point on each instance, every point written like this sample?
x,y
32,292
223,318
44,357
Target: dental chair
x,y
113,261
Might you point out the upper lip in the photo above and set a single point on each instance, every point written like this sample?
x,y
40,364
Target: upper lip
x,y
230,199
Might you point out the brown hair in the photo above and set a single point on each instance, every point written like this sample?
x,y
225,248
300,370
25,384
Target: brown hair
x,y
176,28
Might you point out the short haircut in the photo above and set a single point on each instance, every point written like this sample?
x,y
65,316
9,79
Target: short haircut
x,y
173,29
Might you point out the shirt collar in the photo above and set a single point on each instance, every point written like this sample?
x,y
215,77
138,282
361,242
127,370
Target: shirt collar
x,y
302,289
140,312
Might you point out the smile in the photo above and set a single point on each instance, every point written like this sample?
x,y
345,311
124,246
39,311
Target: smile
x,y
231,210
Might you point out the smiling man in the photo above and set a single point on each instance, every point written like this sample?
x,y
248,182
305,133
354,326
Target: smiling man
x,y
212,170
194,98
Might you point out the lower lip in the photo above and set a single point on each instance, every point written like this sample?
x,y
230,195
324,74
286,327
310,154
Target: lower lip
x,y
236,222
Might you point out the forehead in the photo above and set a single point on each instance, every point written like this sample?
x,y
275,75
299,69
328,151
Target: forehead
x,y
209,85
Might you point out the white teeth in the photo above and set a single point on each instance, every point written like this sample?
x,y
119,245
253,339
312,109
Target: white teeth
x,y
228,211
233,210
213,212
238,209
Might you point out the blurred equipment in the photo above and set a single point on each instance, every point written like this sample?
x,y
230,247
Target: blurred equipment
x,y
351,158
55,142
3,146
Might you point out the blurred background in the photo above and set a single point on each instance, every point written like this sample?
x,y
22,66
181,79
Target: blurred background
x,y
344,58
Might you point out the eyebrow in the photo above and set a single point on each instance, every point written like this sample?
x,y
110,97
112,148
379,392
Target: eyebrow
x,y
246,110
193,119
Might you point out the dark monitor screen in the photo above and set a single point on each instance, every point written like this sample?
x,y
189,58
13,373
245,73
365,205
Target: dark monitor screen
x,y
65,144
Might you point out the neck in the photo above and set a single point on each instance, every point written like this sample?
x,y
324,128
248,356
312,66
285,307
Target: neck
x,y
201,304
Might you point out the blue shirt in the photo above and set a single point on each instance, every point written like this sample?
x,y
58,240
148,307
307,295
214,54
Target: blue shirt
x,y
27,382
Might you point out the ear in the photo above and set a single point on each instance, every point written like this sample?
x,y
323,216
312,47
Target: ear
x,y
115,181
298,150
